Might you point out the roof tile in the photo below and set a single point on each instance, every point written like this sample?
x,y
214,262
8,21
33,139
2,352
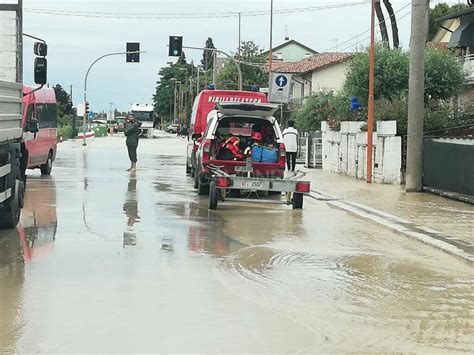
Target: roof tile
x,y
312,63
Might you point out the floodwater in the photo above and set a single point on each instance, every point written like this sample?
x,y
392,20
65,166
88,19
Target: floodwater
x,y
108,261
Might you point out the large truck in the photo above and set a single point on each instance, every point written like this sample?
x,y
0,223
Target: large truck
x,y
12,126
146,115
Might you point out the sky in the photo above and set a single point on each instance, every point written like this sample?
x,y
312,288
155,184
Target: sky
x,y
74,42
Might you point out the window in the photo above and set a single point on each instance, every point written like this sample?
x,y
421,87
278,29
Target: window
x,y
30,113
47,115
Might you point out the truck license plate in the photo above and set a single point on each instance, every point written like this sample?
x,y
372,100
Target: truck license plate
x,y
251,184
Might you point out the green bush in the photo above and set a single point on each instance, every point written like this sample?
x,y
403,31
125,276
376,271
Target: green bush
x,y
391,74
324,106
444,75
65,132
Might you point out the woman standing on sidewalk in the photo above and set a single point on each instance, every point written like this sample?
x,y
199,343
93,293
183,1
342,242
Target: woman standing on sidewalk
x,y
132,132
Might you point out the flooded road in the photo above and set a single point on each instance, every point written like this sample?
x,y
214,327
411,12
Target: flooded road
x,y
108,261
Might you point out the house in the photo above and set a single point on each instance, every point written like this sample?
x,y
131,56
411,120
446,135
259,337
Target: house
x,y
290,51
457,33
322,71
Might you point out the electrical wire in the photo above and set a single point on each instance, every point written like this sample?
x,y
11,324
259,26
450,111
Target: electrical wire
x,y
183,15
368,37
356,37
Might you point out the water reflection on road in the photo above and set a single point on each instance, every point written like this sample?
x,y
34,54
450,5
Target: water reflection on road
x,y
138,263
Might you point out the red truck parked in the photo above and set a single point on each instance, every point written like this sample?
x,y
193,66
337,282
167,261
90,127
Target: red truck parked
x,y
204,104
39,148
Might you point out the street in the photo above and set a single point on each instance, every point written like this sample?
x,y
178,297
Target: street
x,y
109,261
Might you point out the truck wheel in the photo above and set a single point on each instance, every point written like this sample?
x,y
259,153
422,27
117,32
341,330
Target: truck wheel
x,y
203,185
10,212
46,168
214,195
297,201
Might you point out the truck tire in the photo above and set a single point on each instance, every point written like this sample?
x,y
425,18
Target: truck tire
x,y
10,211
297,201
48,166
203,185
214,195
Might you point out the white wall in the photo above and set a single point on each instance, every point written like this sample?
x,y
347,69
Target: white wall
x,y
329,78
345,152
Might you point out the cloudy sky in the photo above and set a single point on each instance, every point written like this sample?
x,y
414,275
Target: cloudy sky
x,y
85,30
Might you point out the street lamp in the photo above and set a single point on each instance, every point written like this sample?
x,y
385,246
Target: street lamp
x,y
179,90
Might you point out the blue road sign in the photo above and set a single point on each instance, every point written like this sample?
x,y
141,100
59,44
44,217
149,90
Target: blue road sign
x,y
281,81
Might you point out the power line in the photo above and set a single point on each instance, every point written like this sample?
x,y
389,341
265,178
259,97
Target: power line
x,y
356,37
368,37
184,15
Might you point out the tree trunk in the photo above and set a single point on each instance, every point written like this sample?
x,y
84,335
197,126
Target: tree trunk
x,y
393,21
383,26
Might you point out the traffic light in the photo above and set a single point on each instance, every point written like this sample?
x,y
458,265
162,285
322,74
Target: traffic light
x,y
40,49
86,108
133,47
41,70
176,46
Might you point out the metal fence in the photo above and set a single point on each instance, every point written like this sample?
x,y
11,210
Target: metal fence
x,y
310,150
449,165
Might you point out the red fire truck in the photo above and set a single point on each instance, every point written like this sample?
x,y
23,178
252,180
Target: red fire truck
x,y
204,104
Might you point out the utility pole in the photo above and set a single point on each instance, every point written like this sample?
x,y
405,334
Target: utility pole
x,y
416,95
214,67
371,106
197,84
270,54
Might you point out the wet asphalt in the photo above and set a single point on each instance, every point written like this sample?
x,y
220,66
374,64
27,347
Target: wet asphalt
x,y
108,261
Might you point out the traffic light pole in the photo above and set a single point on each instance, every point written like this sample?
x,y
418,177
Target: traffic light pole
x,y
237,65
85,88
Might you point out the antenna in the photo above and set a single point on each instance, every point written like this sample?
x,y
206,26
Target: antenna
x,y
287,37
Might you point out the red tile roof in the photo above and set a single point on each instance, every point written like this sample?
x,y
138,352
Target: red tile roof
x,y
312,63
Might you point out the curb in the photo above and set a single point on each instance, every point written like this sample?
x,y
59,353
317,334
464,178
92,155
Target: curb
x,y
448,244
452,195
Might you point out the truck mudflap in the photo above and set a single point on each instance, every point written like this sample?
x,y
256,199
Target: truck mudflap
x,y
221,182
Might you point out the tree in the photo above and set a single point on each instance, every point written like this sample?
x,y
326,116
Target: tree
x,y
64,101
165,89
391,74
444,75
206,60
254,74
438,11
